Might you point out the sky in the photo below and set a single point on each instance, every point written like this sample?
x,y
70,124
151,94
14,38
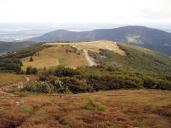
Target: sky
x,y
86,11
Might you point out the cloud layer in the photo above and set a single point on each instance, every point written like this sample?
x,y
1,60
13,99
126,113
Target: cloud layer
x,y
86,11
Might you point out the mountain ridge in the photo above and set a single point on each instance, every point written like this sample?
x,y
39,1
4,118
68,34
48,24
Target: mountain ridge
x,y
121,55
151,38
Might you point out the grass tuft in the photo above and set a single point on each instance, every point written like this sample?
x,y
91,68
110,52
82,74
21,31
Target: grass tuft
x,y
27,110
94,106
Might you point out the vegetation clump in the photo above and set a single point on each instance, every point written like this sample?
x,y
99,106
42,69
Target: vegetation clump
x,y
31,59
90,79
31,70
10,64
26,110
94,106
64,71
42,87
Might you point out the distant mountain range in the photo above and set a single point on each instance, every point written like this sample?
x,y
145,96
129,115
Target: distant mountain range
x,y
154,39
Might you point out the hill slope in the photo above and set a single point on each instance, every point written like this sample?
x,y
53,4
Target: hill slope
x,y
142,36
12,46
69,54
118,66
124,56
139,59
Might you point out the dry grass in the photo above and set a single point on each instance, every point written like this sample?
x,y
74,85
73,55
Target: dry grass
x,y
94,46
9,78
56,55
125,108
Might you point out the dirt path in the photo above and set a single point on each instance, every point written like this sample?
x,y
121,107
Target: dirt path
x,y
3,89
89,59
27,79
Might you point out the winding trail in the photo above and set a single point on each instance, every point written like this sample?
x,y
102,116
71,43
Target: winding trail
x,y
3,89
88,58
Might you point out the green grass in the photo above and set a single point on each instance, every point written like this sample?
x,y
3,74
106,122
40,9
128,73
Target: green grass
x,y
26,110
94,106
137,59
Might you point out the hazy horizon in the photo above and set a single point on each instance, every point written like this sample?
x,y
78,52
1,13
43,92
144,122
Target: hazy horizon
x,y
21,19
21,31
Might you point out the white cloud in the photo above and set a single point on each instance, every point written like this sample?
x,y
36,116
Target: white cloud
x,y
97,11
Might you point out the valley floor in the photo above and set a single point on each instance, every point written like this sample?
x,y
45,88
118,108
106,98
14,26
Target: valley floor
x,y
123,109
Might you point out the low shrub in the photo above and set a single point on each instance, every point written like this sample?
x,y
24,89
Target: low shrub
x,y
43,87
75,85
10,64
60,87
31,59
94,106
31,70
89,79
153,83
63,71
27,110
113,82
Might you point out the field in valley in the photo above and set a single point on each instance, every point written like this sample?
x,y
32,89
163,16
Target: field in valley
x,y
105,109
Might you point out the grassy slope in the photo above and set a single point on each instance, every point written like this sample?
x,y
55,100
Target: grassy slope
x,y
147,60
125,108
94,46
137,59
9,78
56,54
125,56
